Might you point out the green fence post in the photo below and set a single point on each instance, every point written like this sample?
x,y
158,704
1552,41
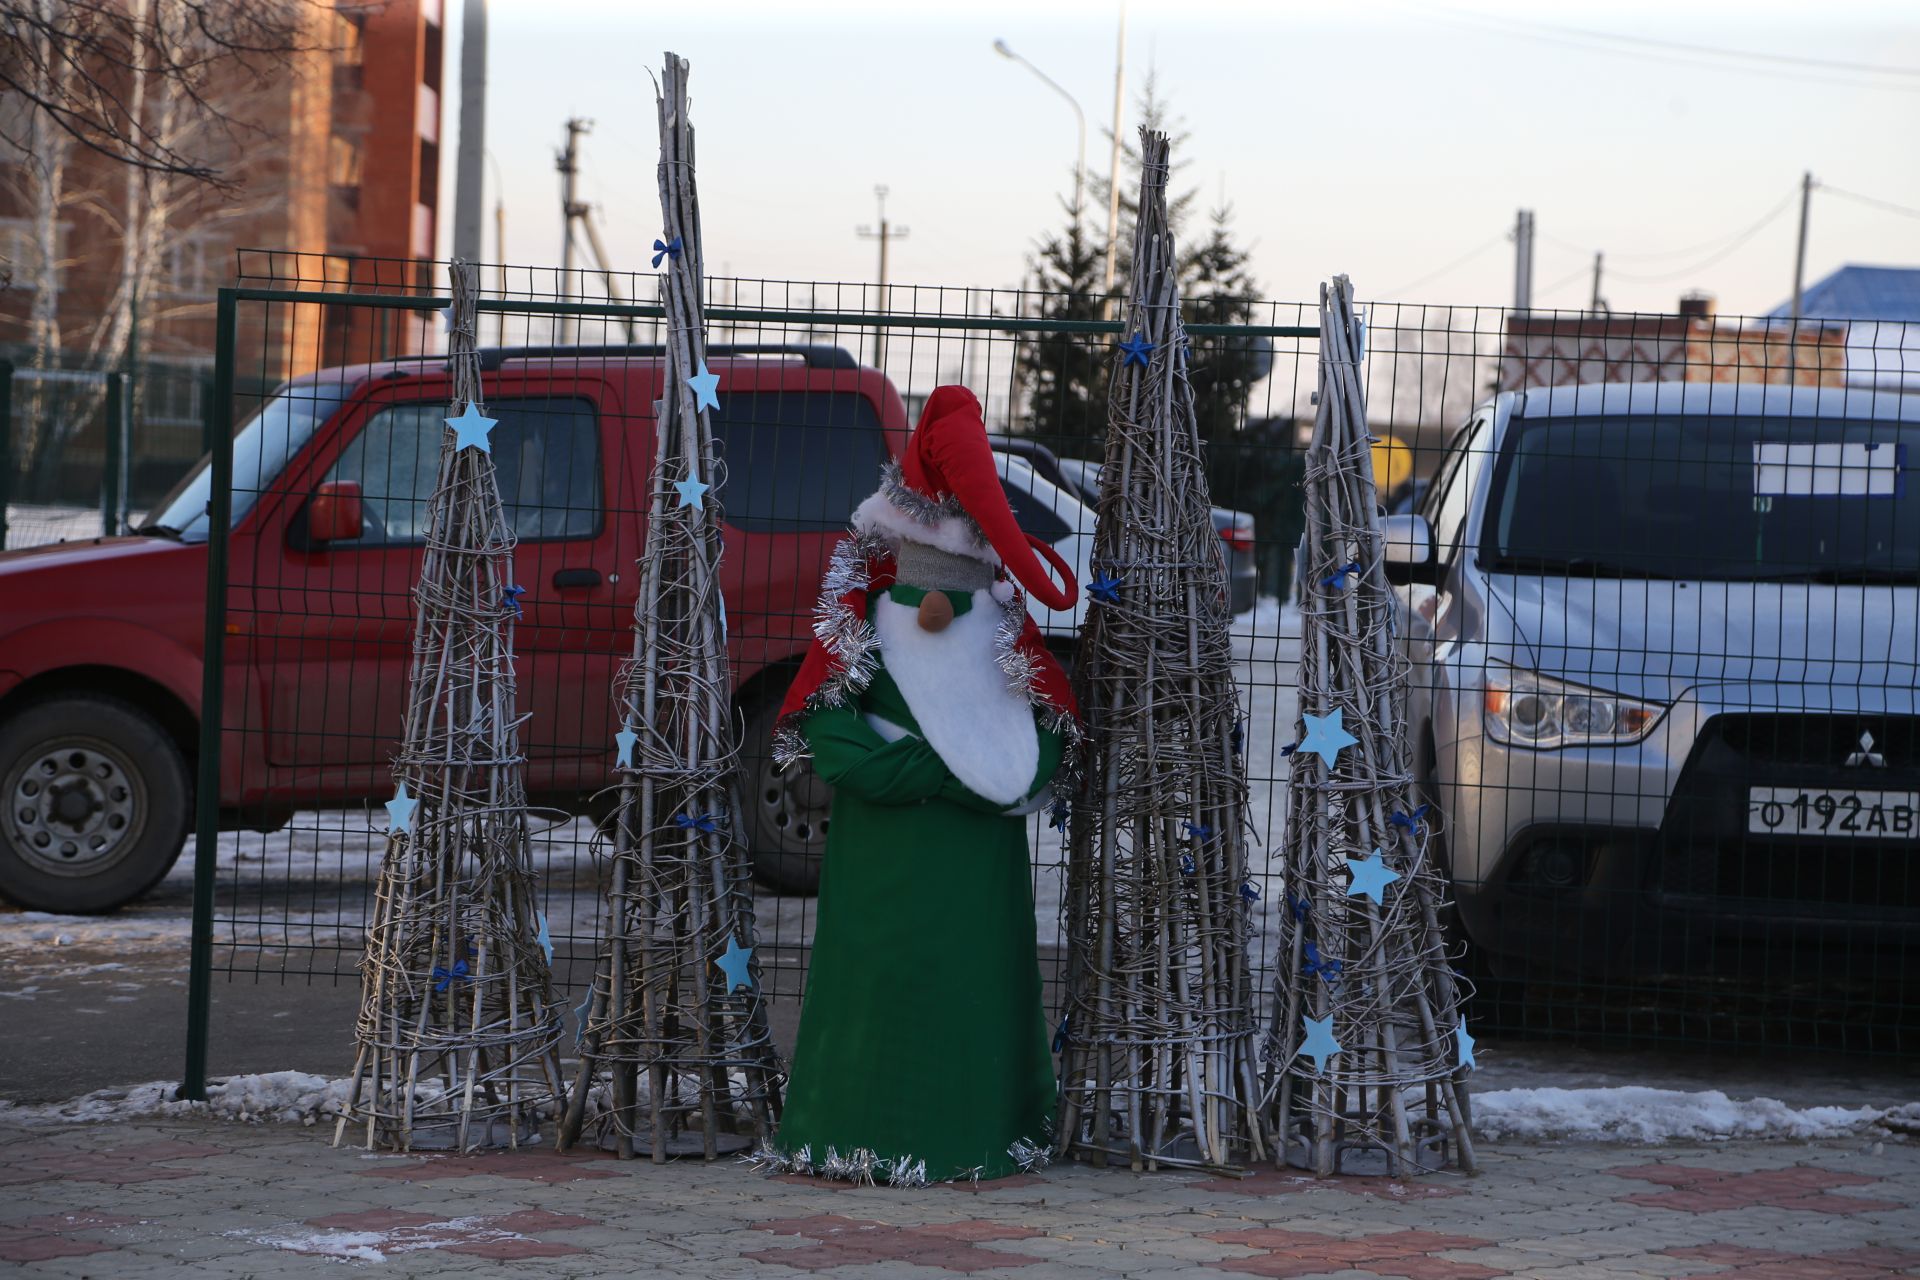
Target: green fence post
x,y
110,471
6,446
193,1086
208,414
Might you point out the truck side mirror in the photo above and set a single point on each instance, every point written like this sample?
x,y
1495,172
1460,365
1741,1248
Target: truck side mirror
x,y
1409,551
334,513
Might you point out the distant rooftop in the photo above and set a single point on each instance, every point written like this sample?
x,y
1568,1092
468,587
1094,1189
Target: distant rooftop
x,y
1860,293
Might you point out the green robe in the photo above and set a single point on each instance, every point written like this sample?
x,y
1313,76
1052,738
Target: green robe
x,y
922,1037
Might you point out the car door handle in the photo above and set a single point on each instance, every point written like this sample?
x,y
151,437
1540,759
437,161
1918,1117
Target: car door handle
x,y
576,578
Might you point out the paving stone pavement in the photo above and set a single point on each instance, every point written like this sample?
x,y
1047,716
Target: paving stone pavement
x,y
206,1198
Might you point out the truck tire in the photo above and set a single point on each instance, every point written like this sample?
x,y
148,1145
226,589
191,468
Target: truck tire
x,y
97,804
787,810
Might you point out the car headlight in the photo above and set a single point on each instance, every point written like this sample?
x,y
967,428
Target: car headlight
x,y
1530,710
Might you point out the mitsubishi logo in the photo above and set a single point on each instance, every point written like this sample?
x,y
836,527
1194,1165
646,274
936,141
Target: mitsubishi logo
x,y
1866,755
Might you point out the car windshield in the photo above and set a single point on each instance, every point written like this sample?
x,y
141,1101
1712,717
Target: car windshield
x,y
1707,497
261,450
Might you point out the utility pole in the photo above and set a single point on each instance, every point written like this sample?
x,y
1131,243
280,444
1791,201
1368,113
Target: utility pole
x,y
885,235
568,162
1113,159
1523,261
1799,271
469,175
1598,305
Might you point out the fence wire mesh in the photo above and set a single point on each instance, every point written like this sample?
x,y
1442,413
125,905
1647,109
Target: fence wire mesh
x,y
1664,650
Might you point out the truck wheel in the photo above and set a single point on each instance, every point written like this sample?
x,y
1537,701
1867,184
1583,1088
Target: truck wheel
x,y
788,809
97,804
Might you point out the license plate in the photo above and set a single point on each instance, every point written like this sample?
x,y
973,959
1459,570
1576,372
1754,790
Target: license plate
x,y
1865,815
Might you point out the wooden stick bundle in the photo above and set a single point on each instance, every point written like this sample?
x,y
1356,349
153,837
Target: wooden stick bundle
x,y
685,1043
1371,977
458,1027
1158,1067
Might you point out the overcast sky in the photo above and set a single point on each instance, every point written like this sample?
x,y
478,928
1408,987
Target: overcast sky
x,y
1391,141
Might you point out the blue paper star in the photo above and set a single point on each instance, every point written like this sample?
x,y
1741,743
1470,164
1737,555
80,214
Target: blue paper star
x,y
705,388
1135,350
625,739
1058,816
543,938
733,963
1370,876
581,1012
690,491
470,429
671,249
1105,589
513,595
1464,1043
1326,737
400,811
1319,1044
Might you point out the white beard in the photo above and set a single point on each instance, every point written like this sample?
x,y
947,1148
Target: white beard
x,y
978,725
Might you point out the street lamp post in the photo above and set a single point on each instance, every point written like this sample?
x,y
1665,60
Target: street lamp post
x,y
1080,118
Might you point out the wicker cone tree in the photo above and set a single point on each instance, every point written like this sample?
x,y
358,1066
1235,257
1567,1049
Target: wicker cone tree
x,y
676,1017
1366,1049
1158,1065
458,1027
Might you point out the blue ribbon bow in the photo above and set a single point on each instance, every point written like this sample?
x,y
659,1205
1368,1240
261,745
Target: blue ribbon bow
x,y
1299,907
1289,749
1338,578
448,976
1316,967
1057,816
513,595
1186,863
671,249
1250,891
1198,830
701,822
1412,824
1238,740
1061,1037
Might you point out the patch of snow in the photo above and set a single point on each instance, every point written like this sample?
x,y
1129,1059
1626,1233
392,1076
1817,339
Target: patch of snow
x,y
1636,1113
288,1097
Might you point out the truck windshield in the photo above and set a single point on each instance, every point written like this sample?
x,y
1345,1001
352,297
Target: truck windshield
x,y
1707,497
261,450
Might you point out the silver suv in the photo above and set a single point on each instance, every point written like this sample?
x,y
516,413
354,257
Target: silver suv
x,y
1665,659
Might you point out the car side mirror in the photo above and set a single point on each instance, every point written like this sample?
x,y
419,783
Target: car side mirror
x,y
1409,549
334,513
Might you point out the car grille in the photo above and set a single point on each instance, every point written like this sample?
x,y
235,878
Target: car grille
x,y
1705,849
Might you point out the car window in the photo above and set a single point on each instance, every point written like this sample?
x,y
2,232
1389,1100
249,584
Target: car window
x,y
796,461
1451,494
546,457
1030,508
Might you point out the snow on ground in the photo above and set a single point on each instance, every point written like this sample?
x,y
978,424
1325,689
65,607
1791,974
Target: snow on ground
x,y
1635,1113
34,524
1612,1114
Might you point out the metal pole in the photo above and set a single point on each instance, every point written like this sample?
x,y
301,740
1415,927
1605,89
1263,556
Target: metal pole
x,y
1113,158
469,178
1596,304
884,235
1799,277
1080,119
6,446
1523,261
206,853
569,210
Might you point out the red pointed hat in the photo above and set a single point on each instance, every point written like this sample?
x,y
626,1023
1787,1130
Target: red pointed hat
x,y
945,492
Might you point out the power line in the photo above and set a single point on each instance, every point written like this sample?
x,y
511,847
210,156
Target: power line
x,y
1852,80
1739,239
1714,51
1431,276
1887,205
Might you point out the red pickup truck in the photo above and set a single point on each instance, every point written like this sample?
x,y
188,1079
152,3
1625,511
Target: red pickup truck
x,y
101,641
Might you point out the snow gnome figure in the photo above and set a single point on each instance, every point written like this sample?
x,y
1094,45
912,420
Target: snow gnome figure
x,y
930,703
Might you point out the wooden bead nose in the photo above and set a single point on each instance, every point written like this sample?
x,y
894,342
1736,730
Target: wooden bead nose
x,y
936,611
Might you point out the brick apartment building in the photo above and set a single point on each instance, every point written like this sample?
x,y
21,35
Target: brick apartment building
x,y
336,156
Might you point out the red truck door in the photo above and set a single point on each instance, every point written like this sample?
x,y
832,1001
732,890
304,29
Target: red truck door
x,y
335,624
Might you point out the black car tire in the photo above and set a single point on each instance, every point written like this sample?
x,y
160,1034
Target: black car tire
x,y
98,802
787,809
